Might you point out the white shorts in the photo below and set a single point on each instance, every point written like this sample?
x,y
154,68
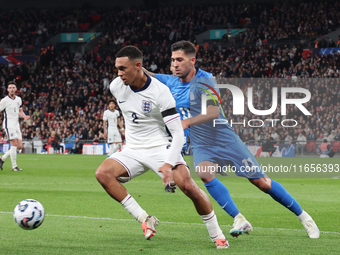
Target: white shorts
x,y
139,161
13,133
114,137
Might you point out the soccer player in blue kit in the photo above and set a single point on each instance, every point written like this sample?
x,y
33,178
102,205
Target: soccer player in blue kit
x,y
219,145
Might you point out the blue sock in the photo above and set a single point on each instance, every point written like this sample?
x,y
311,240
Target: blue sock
x,y
280,194
221,194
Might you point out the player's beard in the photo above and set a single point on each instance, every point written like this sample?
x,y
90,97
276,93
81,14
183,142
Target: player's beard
x,y
183,75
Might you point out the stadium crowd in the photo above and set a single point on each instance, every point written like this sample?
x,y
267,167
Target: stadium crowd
x,y
68,93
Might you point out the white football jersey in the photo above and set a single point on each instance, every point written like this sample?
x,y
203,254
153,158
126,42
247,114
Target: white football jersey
x,y
10,108
111,118
142,110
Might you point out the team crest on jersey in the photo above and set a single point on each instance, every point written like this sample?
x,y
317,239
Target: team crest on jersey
x,y
146,106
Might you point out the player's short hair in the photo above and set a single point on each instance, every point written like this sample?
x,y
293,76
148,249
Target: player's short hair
x,y
186,46
130,51
111,100
11,83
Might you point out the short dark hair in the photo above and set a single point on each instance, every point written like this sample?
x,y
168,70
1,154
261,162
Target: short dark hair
x,y
111,100
131,52
11,83
186,46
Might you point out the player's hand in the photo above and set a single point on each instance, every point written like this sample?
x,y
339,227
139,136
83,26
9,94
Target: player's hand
x,y
27,117
105,135
167,173
185,124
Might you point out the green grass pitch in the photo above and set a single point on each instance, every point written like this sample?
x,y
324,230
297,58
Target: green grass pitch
x,y
82,219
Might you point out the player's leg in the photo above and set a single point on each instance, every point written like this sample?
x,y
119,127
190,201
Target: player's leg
x,y
15,137
202,204
111,149
110,174
206,169
13,154
116,147
248,167
8,153
281,195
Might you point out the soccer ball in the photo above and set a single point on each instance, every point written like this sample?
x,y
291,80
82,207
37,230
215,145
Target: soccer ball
x,y
29,214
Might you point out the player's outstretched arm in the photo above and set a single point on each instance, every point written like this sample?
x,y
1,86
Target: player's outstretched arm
x,y
148,72
172,121
213,112
23,115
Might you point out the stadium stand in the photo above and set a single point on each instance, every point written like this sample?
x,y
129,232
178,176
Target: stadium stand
x,y
68,91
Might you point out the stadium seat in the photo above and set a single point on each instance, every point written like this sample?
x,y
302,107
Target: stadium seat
x,y
336,146
311,146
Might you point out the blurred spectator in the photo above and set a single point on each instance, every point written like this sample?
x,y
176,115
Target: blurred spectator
x,y
77,147
268,145
301,143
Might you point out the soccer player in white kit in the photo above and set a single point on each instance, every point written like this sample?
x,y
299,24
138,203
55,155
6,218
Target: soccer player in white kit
x,y
149,110
11,107
111,120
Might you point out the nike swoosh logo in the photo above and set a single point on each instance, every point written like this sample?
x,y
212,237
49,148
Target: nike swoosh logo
x,y
225,205
121,102
174,95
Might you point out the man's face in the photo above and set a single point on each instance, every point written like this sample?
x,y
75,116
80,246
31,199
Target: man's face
x,y
182,64
127,70
12,89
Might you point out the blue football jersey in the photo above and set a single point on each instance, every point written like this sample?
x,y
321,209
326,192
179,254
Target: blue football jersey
x,y
181,93
188,98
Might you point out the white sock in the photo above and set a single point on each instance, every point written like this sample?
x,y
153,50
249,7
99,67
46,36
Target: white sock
x,y
13,153
239,216
112,148
116,148
6,155
211,223
134,208
304,216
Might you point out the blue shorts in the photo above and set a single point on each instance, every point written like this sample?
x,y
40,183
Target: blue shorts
x,y
234,154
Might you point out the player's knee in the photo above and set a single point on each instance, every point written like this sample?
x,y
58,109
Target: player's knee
x,y
102,175
262,184
206,180
190,190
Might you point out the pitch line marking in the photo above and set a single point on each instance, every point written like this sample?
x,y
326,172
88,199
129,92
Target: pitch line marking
x,y
168,222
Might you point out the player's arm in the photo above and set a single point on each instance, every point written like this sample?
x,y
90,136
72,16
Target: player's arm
x,y
163,78
120,125
213,112
148,72
104,126
23,115
172,121
2,105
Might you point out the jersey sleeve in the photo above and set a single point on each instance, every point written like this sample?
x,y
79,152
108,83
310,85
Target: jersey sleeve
x,y
105,117
2,105
163,78
113,87
20,102
165,100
